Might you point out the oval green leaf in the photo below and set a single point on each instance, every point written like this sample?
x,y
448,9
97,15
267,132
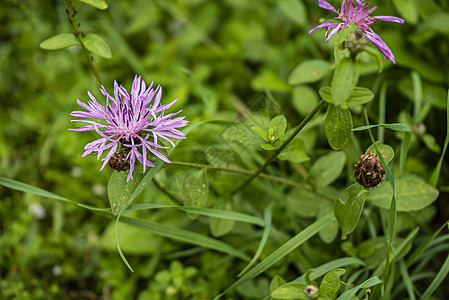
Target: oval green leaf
x,y
411,194
309,71
219,226
386,150
60,41
327,168
290,290
294,10
330,285
95,44
294,152
120,191
338,126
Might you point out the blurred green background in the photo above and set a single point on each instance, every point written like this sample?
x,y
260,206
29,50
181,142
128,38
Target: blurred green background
x,y
215,57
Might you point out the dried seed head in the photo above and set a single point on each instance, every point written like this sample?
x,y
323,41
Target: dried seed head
x,y
369,171
119,162
311,291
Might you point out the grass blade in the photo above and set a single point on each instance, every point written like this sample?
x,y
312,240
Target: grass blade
x,y
436,172
349,294
263,240
282,251
23,187
337,263
183,236
217,213
437,280
406,280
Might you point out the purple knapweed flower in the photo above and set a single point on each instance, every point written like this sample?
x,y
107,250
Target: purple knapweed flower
x,y
134,124
359,15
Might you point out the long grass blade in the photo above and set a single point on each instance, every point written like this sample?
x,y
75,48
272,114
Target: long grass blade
x,y
263,240
216,213
282,251
436,172
23,187
437,281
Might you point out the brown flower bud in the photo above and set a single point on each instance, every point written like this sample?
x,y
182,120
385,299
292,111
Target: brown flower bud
x,y
118,161
369,171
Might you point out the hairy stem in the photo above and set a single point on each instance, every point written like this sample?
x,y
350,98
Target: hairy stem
x,y
282,147
72,16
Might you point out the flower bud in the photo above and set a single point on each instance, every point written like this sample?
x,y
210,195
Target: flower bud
x,y
369,171
355,43
119,162
311,291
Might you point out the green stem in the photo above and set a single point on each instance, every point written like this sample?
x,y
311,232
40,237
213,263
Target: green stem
x,y
246,172
72,15
282,147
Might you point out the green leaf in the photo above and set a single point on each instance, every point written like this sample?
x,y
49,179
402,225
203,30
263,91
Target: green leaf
x,y
279,125
95,44
23,187
219,226
195,190
360,96
330,285
325,93
268,147
348,213
309,71
100,4
60,41
344,80
294,152
386,150
304,203
408,9
330,232
276,282
395,126
304,99
290,290
294,10
338,125
411,194
120,191
261,132
327,168
336,263
349,294
282,251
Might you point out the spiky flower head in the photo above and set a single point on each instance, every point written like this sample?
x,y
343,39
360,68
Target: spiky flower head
x,y
359,14
369,171
132,126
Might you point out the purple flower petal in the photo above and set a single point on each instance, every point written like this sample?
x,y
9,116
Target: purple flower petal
x,y
380,44
325,5
359,14
323,25
127,116
389,19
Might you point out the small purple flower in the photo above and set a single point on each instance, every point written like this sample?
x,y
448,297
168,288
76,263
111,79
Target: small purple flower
x,y
359,15
134,124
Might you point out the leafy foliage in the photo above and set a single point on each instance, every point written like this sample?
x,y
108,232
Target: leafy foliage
x,y
248,77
